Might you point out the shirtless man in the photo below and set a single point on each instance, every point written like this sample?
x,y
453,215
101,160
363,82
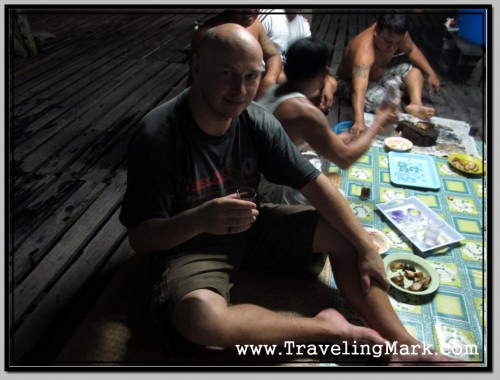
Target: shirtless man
x,y
248,19
368,62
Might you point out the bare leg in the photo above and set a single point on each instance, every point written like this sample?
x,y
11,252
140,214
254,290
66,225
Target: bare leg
x,y
373,306
204,317
414,83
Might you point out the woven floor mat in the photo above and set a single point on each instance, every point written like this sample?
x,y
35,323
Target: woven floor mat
x,y
118,331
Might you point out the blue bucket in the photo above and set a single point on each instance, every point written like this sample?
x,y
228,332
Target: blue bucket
x,y
342,127
471,25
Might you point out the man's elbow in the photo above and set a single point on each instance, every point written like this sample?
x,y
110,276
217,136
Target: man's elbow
x,y
137,241
135,244
344,164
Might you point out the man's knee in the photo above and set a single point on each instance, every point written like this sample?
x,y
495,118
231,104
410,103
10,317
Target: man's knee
x,y
197,315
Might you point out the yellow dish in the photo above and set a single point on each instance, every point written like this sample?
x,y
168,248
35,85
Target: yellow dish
x,y
466,164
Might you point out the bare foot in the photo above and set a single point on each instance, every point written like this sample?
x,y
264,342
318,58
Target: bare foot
x,y
420,111
343,331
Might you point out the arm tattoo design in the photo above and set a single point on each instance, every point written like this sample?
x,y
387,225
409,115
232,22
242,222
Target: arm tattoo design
x,y
361,71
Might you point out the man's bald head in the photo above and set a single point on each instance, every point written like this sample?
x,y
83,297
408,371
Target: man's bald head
x,y
226,72
231,36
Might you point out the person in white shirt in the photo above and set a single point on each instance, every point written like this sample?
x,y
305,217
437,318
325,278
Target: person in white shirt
x,y
284,27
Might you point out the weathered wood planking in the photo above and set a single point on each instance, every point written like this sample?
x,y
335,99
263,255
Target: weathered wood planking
x,y
25,221
79,45
113,152
55,262
132,102
24,187
53,232
66,319
93,256
33,248
119,46
98,111
340,42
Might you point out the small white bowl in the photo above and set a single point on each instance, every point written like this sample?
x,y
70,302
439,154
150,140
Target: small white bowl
x,y
398,144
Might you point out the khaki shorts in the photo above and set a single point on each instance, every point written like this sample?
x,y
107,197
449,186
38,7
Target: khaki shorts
x,y
281,238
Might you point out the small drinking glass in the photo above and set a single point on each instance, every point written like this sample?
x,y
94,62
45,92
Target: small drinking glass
x,y
247,193
365,192
432,231
411,222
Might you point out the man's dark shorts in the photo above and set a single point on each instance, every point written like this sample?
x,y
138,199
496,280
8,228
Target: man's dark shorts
x,y
281,238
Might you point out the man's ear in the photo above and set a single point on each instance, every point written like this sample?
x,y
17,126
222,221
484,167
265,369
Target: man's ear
x,y
195,64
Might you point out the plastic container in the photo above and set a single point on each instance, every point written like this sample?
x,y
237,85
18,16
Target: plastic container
x,y
392,93
343,126
471,25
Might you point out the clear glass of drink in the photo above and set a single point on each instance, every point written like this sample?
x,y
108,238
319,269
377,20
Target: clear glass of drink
x,y
432,231
247,193
411,222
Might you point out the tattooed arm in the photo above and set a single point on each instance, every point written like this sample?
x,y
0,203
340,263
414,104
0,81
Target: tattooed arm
x,y
360,74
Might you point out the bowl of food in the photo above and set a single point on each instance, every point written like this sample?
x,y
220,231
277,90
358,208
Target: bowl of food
x,y
465,163
411,274
398,144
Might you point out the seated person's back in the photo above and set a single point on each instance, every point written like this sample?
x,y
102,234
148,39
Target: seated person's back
x,y
308,128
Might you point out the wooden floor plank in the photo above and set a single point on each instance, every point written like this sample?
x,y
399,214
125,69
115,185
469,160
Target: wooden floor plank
x,y
75,45
108,150
340,42
90,107
63,324
25,187
125,109
40,208
55,262
41,239
71,282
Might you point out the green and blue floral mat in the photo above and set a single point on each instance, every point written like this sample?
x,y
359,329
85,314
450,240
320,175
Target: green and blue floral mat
x,y
454,317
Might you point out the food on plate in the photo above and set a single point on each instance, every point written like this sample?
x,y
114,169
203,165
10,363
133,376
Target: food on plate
x,y
419,281
399,280
398,143
464,164
420,284
395,266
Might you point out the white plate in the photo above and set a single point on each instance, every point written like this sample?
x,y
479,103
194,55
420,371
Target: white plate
x,y
398,144
420,264
379,239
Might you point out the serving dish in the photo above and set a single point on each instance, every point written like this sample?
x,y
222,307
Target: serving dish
x,y
381,241
396,211
419,264
414,170
465,163
398,144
